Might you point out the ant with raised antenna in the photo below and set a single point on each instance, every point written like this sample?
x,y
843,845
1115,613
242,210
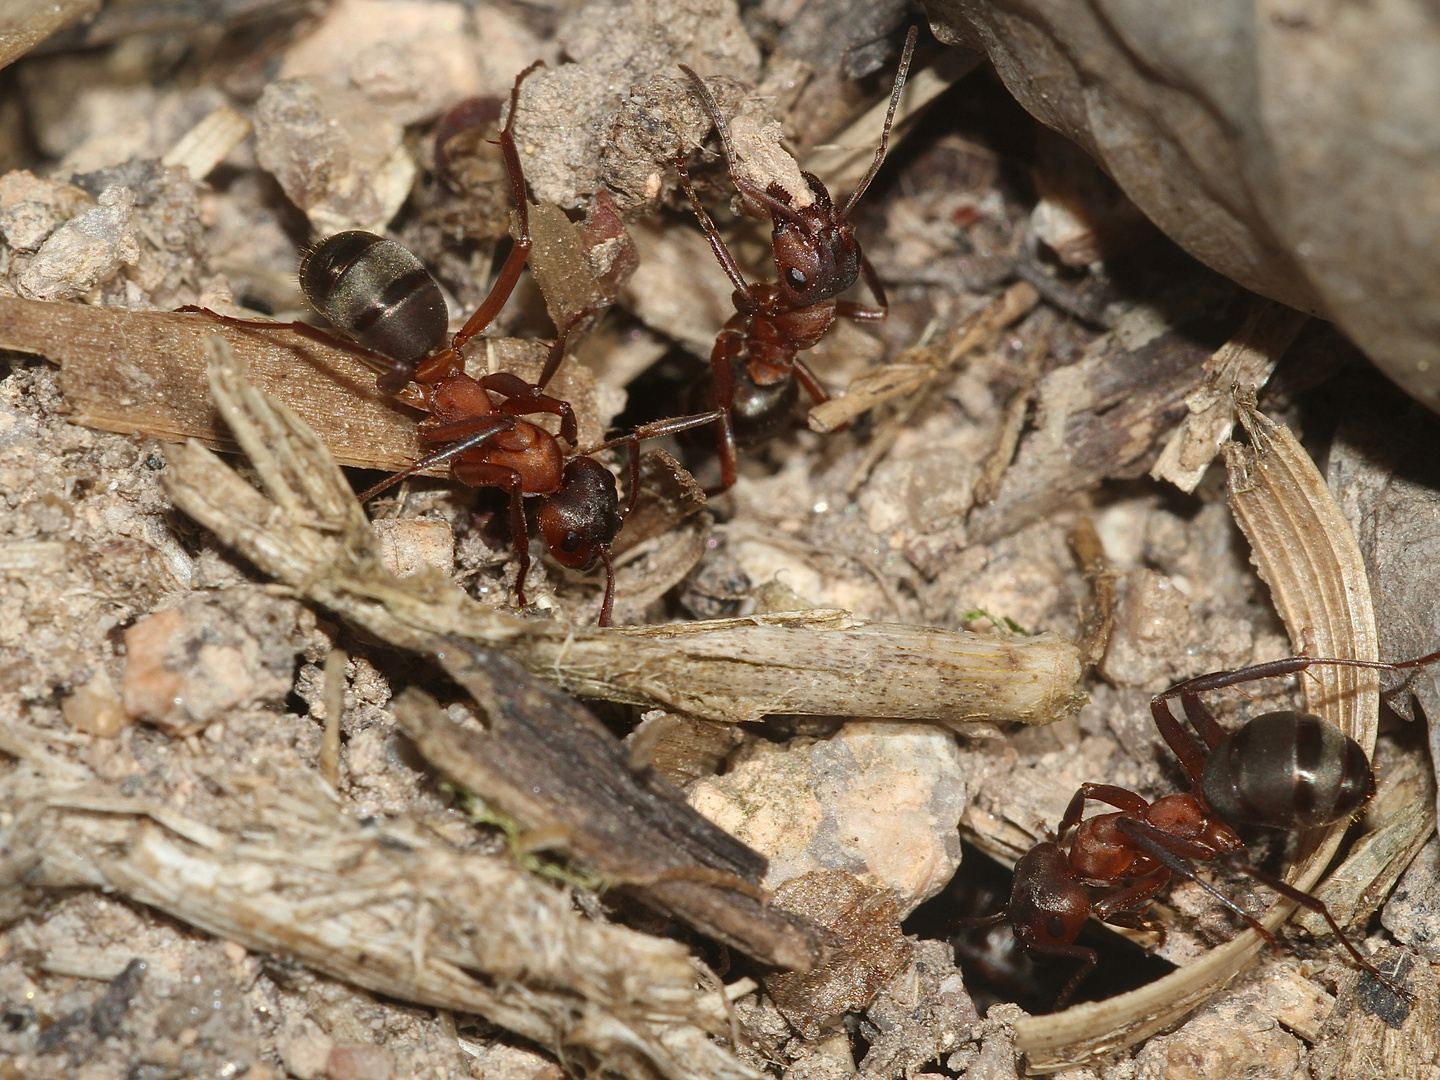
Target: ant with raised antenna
x,y
1285,770
755,368
380,294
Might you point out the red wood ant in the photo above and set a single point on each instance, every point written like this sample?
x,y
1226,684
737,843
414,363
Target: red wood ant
x,y
1285,770
383,297
755,369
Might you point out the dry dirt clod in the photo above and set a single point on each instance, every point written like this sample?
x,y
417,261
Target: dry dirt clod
x,y
188,666
96,708
337,161
1230,1037
867,948
879,801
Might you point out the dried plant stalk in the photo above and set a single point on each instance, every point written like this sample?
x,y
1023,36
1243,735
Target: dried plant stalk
x,y
543,760
918,367
1307,553
26,23
383,905
822,662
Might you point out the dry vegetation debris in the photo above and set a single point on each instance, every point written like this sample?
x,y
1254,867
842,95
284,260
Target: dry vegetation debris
x,y
210,762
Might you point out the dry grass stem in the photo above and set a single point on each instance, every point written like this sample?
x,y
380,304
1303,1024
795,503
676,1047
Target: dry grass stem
x,y
381,904
1242,365
314,537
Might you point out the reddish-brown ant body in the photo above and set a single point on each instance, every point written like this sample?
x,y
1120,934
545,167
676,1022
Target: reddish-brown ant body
x,y
383,297
755,367
1286,770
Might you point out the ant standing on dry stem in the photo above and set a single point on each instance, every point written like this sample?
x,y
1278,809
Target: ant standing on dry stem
x,y
382,295
755,367
1285,770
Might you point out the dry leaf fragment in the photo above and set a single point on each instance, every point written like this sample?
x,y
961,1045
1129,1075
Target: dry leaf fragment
x,y
143,373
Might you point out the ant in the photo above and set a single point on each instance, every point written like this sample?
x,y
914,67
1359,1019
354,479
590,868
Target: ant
x,y
380,294
1285,770
755,369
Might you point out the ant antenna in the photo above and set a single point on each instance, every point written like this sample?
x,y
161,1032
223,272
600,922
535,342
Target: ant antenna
x,y
900,75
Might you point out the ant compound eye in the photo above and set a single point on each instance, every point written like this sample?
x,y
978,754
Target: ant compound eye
x,y
1055,927
572,542
795,278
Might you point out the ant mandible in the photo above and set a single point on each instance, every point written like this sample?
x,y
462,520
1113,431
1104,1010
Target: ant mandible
x,y
1286,770
380,294
755,369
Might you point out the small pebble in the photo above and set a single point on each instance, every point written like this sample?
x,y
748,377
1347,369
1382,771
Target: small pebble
x,y
96,708
408,544
360,1061
879,800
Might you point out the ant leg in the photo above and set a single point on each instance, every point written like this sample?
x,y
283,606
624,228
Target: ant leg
x,y
1181,743
900,75
556,356
1289,665
653,430
631,442
1123,903
523,399
848,309
1073,952
811,385
1204,721
608,604
393,373
1418,663
975,922
1173,851
1118,797
515,261
1199,716
722,378
461,436
482,474
470,430
1316,905
1137,920
872,280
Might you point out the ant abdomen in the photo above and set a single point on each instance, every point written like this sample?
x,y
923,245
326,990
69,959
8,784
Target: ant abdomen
x,y
378,293
1287,770
757,412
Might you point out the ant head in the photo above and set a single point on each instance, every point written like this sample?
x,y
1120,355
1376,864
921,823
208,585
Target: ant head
x,y
583,516
1048,904
816,254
